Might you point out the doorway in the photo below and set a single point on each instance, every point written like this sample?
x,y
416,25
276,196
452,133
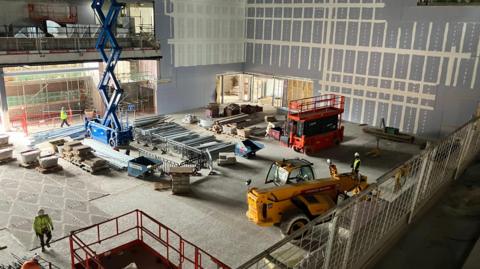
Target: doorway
x,y
261,89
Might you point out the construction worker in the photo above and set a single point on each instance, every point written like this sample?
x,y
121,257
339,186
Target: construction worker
x,y
63,117
270,126
333,169
43,228
33,263
356,165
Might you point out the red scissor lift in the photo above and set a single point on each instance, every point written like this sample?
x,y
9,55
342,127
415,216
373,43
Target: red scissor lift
x,y
137,238
315,123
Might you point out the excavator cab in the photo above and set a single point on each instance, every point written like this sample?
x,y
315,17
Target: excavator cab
x,y
290,171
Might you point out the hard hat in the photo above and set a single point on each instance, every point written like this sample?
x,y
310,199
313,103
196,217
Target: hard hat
x,y
41,212
329,161
36,257
357,154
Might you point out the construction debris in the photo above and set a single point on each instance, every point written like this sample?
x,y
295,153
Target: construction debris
x,y
217,128
190,119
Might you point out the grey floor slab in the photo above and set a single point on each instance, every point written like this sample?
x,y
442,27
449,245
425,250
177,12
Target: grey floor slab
x,y
64,196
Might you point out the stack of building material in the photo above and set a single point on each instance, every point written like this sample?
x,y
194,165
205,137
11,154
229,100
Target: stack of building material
x,y
226,158
6,155
48,164
249,109
212,111
29,158
114,158
181,179
82,156
149,120
6,149
270,119
94,165
244,132
190,119
4,143
229,129
233,119
74,131
231,110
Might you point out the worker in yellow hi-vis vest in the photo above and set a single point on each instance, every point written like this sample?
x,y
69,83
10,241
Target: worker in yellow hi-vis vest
x,y
356,165
63,117
43,227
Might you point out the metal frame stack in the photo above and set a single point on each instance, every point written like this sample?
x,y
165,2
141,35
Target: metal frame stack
x,y
193,148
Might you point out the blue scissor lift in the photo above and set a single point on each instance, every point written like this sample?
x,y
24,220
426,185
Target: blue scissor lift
x,y
109,129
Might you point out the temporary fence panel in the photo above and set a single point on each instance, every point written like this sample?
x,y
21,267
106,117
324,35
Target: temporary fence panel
x,y
349,235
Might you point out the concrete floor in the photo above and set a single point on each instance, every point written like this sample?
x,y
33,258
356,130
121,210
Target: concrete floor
x,y
446,234
213,215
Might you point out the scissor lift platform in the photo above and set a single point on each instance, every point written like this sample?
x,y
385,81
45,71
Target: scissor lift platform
x,y
135,238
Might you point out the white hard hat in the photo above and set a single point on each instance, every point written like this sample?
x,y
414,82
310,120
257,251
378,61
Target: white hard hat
x,y
36,257
357,154
329,161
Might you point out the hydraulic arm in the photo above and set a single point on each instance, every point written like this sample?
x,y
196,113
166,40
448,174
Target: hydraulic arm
x,y
109,129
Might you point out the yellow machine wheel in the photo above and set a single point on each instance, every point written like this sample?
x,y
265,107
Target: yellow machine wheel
x,y
292,223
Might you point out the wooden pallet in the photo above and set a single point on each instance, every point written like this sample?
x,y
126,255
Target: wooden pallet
x,y
49,170
96,170
7,160
28,165
86,167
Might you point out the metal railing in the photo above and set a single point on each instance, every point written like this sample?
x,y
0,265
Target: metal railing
x,y
317,103
11,44
67,31
351,234
87,245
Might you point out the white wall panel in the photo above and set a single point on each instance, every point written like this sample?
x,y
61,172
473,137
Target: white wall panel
x,y
208,32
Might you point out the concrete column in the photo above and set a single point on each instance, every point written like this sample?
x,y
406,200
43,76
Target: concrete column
x,y
3,103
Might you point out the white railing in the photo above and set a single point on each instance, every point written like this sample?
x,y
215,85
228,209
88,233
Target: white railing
x,y
351,234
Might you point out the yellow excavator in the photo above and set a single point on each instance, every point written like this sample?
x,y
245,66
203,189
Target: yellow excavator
x,y
298,196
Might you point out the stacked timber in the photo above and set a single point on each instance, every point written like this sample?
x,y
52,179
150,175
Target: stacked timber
x,y
181,179
82,156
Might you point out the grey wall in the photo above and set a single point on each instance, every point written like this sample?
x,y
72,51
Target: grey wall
x,y
415,66
188,87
